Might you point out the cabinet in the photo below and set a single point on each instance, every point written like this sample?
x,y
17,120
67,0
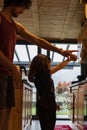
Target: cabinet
x,y
21,114
79,111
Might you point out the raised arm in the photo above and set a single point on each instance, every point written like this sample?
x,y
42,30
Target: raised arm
x,y
60,66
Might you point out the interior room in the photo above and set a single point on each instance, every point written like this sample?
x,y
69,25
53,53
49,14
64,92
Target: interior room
x,y
63,23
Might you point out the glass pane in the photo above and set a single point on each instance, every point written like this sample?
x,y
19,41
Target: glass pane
x,y
15,58
65,106
32,51
63,46
74,47
61,75
43,51
22,53
62,98
55,56
58,57
34,101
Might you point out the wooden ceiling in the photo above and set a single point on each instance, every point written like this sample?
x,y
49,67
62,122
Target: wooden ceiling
x,y
54,19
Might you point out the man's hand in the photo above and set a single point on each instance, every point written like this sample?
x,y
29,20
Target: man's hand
x,y
67,53
71,51
71,58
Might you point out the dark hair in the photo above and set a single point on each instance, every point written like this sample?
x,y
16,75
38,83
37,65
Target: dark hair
x,y
39,65
25,3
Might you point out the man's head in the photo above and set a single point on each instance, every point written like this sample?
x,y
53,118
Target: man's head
x,y
24,3
17,7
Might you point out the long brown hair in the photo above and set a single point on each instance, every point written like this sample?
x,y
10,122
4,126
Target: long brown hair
x,y
39,66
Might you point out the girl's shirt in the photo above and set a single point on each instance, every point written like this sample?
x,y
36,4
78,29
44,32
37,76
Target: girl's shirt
x,y
45,89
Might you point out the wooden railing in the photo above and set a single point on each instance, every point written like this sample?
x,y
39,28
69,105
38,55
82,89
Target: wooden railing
x,y
27,107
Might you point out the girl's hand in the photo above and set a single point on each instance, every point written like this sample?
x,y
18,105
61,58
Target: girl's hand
x,y
70,58
67,53
57,107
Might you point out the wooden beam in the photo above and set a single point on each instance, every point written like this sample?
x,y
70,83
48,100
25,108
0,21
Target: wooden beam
x,y
64,41
69,17
51,40
35,16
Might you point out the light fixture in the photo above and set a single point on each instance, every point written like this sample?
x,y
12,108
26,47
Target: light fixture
x,y
86,11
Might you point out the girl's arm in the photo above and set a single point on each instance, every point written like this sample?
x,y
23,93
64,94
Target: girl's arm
x,y
60,66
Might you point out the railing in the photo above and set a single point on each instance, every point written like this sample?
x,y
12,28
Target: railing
x,y
27,107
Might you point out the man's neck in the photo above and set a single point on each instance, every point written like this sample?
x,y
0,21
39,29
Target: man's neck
x,y
7,14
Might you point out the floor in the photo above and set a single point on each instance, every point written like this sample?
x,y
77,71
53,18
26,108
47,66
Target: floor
x,y
36,126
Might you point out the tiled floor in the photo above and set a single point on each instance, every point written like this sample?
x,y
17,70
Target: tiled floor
x,y
36,126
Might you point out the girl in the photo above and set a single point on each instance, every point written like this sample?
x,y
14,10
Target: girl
x,y
40,74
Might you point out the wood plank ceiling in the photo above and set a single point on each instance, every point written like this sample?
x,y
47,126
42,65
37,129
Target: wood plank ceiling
x,y
54,19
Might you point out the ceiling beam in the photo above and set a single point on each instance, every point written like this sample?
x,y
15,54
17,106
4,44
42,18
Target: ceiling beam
x,y
69,17
35,16
64,41
51,40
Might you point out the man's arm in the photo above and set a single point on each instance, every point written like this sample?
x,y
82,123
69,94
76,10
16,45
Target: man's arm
x,y
40,42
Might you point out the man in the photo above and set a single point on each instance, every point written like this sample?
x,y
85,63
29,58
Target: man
x,y
9,75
